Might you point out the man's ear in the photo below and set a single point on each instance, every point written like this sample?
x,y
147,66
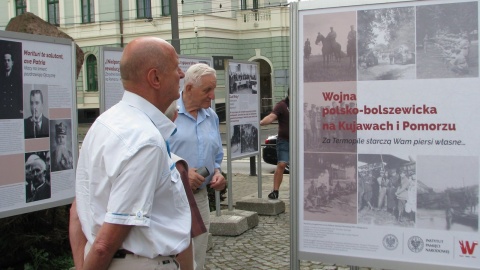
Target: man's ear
x,y
154,77
187,88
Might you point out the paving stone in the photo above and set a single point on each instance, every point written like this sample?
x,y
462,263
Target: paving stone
x,y
266,246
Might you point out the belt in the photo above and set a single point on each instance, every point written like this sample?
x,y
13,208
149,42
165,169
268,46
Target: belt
x,y
122,253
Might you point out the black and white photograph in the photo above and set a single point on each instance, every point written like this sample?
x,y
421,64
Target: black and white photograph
x,y
37,176
330,187
242,78
329,47
447,40
35,102
11,80
61,145
448,193
328,118
386,44
235,140
387,190
249,138
244,139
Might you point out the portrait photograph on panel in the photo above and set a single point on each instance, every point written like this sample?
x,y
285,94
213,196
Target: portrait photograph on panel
x,y
387,188
386,44
448,193
329,47
35,102
37,176
11,80
61,145
447,40
330,187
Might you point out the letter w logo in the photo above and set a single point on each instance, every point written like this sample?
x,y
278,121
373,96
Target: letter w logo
x,y
467,248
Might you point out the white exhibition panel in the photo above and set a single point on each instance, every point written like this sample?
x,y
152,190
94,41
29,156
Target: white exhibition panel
x,y
405,104
45,67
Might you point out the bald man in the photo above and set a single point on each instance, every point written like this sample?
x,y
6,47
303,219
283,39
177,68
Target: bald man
x,y
131,210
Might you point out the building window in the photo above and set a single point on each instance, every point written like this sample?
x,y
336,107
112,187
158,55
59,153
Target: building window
x,y
144,9
53,12
243,4
20,6
165,7
255,4
92,79
88,11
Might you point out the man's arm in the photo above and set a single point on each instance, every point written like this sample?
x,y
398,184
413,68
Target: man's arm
x,y
268,119
77,238
109,239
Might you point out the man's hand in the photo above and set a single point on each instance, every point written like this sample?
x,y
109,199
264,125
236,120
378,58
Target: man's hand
x,y
218,181
195,179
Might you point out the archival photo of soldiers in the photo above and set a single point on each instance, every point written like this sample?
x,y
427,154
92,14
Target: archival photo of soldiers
x,y
244,139
329,47
323,127
249,138
330,187
387,190
242,78
386,44
447,40
448,193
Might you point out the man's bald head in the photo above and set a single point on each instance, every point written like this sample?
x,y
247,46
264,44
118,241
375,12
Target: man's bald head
x,y
142,54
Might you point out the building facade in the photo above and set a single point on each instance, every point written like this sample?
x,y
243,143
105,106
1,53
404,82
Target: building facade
x,y
248,30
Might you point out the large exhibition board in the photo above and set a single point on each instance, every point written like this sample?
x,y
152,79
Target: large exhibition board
x,y
111,88
38,145
388,148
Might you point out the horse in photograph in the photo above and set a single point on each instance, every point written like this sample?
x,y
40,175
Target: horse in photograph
x,y
330,49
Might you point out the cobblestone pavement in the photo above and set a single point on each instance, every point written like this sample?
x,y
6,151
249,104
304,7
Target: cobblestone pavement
x,y
267,246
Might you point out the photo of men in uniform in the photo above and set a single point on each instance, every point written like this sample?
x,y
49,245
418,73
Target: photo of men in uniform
x,y
11,94
37,125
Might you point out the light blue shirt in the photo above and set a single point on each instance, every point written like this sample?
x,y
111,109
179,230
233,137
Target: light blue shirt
x,y
198,140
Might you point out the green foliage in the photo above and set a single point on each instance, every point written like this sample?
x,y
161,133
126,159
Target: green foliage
x,y
37,240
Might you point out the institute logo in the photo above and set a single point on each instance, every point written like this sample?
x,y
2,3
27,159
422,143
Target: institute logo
x,y
390,241
468,248
415,244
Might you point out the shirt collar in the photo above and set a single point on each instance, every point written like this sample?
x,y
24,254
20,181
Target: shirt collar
x,y
161,122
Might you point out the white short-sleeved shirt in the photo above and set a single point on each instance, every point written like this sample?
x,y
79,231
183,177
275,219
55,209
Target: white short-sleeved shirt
x,y
125,176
